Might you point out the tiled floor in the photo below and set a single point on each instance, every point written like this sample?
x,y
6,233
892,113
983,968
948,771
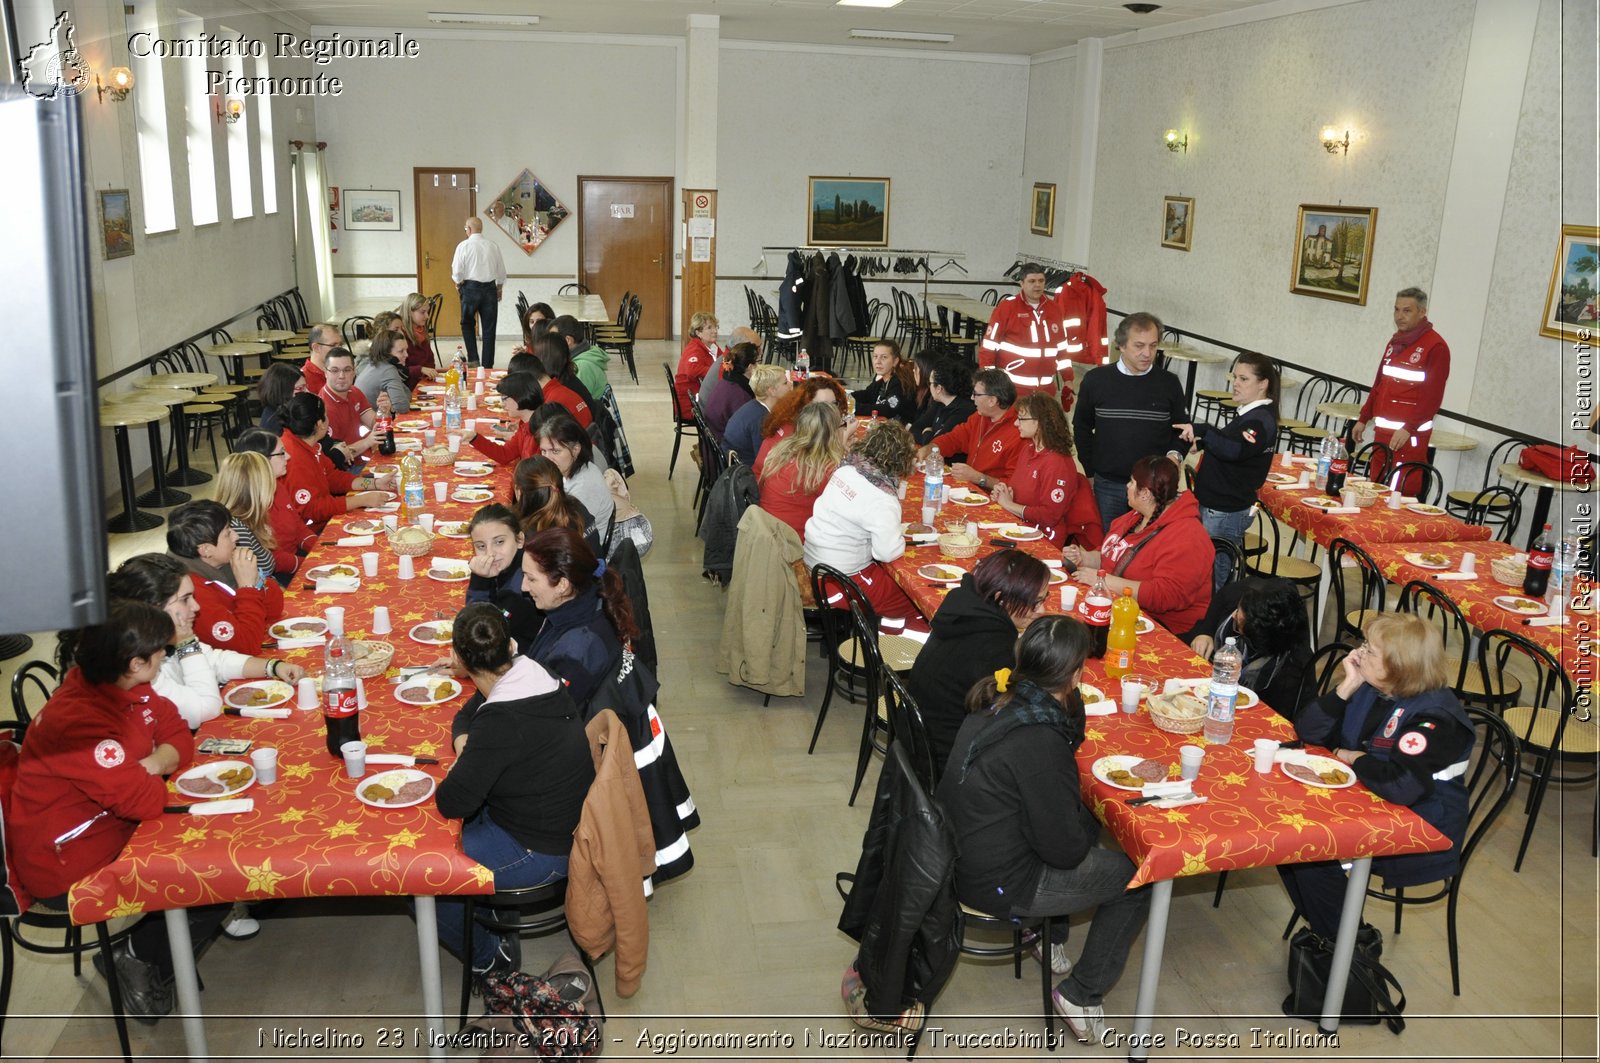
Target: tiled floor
x,y
746,943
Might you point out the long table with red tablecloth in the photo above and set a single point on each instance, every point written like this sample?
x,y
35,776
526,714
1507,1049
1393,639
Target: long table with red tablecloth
x,y
1370,524
308,835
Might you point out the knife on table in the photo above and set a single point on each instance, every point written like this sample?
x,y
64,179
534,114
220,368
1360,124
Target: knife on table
x,y
404,760
259,714
215,808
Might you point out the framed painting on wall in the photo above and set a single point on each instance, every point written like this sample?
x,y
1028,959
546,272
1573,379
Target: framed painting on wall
x,y
1177,222
116,222
366,208
1044,210
1333,252
850,211
1569,304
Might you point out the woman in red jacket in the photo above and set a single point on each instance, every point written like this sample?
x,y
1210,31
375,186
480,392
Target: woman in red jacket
x,y
315,485
698,356
523,398
1159,548
1046,489
293,536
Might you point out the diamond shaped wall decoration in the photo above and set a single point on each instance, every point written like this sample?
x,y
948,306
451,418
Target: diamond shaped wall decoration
x,y
526,211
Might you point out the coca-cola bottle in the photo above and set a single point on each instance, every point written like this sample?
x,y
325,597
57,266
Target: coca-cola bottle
x,y
1338,467
1094,609
383,428
1541,556
341,705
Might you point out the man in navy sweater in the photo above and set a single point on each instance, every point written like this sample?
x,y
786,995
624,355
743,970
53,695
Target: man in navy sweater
x,y
1125,411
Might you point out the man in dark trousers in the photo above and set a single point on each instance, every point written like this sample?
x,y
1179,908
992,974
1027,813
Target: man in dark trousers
x,y
480,276
1125,411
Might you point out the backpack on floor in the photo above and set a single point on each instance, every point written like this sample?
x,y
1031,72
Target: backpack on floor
x,y
529,1016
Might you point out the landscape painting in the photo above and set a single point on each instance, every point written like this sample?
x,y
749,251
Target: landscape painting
x,y
116,222
1333,252
1569,304
848,211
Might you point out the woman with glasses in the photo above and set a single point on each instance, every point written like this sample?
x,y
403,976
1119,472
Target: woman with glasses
x,y
567,445
289,530
973,633
1046,489
698,356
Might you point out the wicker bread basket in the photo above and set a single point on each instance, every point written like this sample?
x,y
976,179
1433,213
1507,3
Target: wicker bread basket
x,y
959,544
372,658
1509,570
438,454
1167,718
417,542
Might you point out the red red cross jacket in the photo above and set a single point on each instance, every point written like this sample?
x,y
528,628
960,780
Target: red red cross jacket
x,y
232,619
1409,389
313,482
990,446
693,365
1029,343
1083,306
1056,497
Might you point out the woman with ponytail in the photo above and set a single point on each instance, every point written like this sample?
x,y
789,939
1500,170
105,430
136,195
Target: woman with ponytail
x,y
1026,839
587,613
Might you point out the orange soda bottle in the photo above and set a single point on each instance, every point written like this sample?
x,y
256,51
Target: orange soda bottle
x,y
1123,638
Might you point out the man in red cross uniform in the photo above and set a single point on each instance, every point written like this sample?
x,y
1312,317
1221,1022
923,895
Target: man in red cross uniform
x,y
1409,388
1027,339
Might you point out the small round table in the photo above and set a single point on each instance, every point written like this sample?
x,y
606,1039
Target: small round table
x,y
1547,492
265,335
1343,411
232,356
1177,352
186,383
121,416
174,399
1446,440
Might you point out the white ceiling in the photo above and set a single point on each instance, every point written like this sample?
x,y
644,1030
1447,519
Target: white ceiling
x,y
1019,27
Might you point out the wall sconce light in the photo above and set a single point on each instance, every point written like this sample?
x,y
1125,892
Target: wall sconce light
x,y
1177,141
234,110
118,84
1333,142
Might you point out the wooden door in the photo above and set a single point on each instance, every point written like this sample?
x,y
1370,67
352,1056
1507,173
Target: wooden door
x,y
445,200
625,245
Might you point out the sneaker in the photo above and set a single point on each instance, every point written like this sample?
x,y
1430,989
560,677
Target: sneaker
x,y
1060,962
146,996
507,958
239,925
1086,1021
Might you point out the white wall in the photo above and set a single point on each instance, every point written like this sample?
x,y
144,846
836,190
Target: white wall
x,y
1047,154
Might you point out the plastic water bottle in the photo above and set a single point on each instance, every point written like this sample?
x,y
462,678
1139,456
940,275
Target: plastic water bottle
x,y
1562,567
452,407
1226,663
802,364
341,708
1324,462
933,481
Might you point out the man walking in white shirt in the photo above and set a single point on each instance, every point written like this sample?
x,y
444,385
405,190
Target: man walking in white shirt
x,y
480,276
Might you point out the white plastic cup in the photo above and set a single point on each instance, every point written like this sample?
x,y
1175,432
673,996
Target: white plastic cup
x,y
482,371
334,615
381,624
1469,563
1348,499
1395,499
438,418
1266,749
369,563
428,436
355,759
928,513
1133,688
472,402
972,528
441,488
1189,758
477,389
391,522
306,693
361,693
406,569
453,441
901,490
425,522
1069,597
265,762
1305,477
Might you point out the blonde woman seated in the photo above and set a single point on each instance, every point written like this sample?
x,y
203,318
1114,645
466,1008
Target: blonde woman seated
x,y
798,468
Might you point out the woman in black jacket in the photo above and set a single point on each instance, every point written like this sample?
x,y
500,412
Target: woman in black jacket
x,y
1025,838
973,633
949,403
893,391
521,773
1238,456
1267,618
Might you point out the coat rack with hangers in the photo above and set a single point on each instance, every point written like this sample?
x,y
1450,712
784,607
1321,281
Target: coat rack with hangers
x,y
925,258
1050,263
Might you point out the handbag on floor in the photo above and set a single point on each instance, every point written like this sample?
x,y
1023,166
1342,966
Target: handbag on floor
x,y
1369,995
550,1017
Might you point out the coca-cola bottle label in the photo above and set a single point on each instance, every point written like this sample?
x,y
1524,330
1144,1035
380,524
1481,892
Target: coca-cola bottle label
x,y
1538,559
1095,612
1338,467
342,702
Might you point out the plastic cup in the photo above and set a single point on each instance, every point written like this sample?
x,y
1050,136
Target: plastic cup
x,y
482,372
477,389
361,693
406,569
1069,597
1305,477
428,437
369,563
1265,750
441,488
1349,497
901,490
1469,562
355,759
1394,499
334,615
1189,758
972,528
438,418
472,402
306,693
928,514
1133,688
453,441
425,522
265,762
391,522
381,624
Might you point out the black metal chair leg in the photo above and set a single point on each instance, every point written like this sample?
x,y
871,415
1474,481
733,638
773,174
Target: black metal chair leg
x,y
114,988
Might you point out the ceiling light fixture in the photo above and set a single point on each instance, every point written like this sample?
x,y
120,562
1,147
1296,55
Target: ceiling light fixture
x,y
467,18
867,3
903,35
1142,9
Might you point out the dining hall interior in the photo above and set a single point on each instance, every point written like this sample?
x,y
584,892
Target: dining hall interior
x,y
668,149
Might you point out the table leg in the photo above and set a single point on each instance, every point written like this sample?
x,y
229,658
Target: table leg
x,y
130,519
1541,513
1344,946
161,494
184,475
194,1026
428,955
1188,389
1155,941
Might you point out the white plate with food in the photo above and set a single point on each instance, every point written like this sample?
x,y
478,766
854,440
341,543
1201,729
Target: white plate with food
x,y
451,529
940,573
1314,770
1321,502
364,526
1129,773
322,572
412,425
1427,559
918,531
299,627
428,690
1144,625
1018,534
432,389
962,497
220,778
1058,577
1516,603
400,788
474,468
258,694
1247,699
472,494
446,571
1092,695
408,444
1282,478
433,633
1425,509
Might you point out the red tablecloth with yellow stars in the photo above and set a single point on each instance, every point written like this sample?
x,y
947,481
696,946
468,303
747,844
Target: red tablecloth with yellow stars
x,y
1573,642
1247,820
308,835
1373,524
